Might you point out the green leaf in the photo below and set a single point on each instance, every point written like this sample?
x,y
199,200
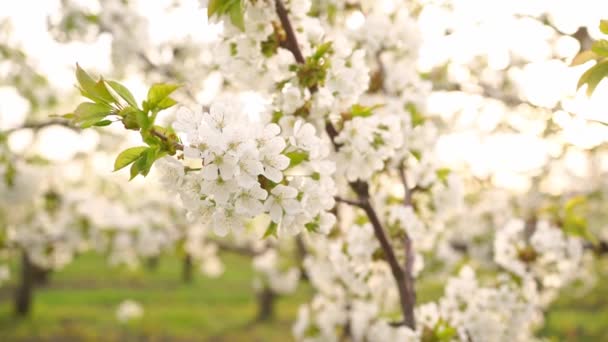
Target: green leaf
x,y
87,114
152,155
128,156
593,76
443,174
142,120
236,15
417,117
271,230
86,82
600,47
233,8
159,92
95,91
134,171
584,57
312,227
166,103
103,123
297,158
123,92
362,111
322,50
213,7
574,203
604,26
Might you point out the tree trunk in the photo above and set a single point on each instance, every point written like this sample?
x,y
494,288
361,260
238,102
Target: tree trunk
x,y
187,269
152,263
25,288
266,300
41,275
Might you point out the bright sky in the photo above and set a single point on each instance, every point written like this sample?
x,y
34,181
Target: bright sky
x,y
482,28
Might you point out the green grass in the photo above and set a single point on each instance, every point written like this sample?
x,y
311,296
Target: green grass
x,y
80,305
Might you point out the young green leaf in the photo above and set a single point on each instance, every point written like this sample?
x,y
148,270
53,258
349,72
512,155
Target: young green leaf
x,y
123,92
158,93
236,15
166,103
271,230
584,57
443,174
297,158
604,26
600,47
103,123
135,168
128,156
87,114
213,7
95,91
363,111
593,76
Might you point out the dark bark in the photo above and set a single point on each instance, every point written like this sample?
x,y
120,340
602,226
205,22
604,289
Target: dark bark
x,y
152,263
361,189
266,299
41,275
25,289
187,269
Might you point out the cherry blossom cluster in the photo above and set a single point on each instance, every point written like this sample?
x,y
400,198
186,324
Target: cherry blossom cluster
x,y
539,250
245,169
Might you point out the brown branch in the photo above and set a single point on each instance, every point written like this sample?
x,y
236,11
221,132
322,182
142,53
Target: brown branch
x,y
354,203
360,188
291,43
410,289
40,125
409,255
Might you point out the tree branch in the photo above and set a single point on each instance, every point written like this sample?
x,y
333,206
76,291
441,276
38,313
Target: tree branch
x,y
40,125
348,201
292,42
360,188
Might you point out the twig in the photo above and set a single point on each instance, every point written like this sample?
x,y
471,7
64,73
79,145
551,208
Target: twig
x,y
354,203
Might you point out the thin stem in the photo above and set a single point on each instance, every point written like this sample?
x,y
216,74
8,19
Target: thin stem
x,y
354,203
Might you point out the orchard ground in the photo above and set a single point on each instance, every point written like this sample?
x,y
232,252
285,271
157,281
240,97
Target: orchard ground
x,y
80,302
